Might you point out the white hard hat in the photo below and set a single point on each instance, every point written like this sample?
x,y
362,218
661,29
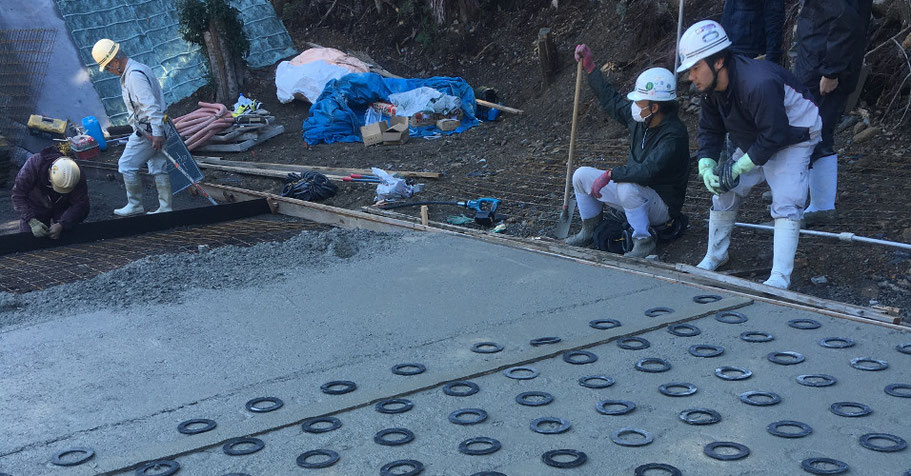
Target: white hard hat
x,y
64,175
654,84
104,51
699,41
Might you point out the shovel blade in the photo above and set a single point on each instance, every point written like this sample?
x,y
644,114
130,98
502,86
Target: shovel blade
x,y
561,231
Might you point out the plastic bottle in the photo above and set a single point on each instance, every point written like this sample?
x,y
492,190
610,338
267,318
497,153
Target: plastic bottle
x,y
93,129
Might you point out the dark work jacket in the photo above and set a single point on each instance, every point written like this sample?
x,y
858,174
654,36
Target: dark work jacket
x,y
659,157
765,109
33,196
754,27
831,41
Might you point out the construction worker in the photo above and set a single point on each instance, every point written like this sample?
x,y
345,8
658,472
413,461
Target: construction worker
x,y
651,187
145,104
831,41
754,27
773,122
50,195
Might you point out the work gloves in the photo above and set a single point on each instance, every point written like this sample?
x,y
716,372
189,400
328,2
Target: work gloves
x,y
600,183
39,229
54,231
719,180
742,166
584,54
707,173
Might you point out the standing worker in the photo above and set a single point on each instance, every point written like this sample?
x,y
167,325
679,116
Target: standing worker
x,y
145,104
651,187
831,41
755,27
774,124
50,195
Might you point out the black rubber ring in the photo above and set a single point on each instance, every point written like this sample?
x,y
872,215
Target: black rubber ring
x,y
486,348
712,350
666,389
672,471
456,416
683,330
722,373
587,357
706,298
658,311
171,467
384,405
380,436
858,362
731,317
229,447
816,380
603,404
302,459
687,416
544,341
804,324
604,324
416,468
646,437
748,398
309,426
523,399
773,428
837,408
742,451
86,454
549,460
756,336
604,379
518,373
836,342
184,427
892,389
537,422
904,348
898,443
276,404
410,368
643,365
449,388
492,446
780,358
627,343
347,387
809,465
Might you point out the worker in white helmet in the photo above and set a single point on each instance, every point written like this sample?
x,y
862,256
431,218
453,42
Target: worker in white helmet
x,y
773,122
650,188
50,195
145,105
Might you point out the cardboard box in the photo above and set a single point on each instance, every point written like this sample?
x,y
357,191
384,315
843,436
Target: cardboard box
x,y
373,133
397,132
448,124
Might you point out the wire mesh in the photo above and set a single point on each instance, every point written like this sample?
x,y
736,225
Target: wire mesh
x,y
24,59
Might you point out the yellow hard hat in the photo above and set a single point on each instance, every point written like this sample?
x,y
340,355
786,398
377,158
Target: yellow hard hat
x,y
64,175
104,51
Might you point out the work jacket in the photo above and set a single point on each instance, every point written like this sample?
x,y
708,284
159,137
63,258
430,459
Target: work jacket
x,y
832,40
143,98
33,196
754,27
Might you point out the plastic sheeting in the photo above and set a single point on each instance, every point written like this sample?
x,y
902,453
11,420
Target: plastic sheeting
x,y
338,114
147,31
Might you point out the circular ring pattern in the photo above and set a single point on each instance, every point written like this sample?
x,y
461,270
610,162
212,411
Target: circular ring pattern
x,y
276,404
380,436
775,429
658,311
786,358
332,455
486,348
588,382
347,386
230,448
756,336
750,398
450,388
647,365
184,427
603,404
731,317
816,380
898,443
521,373
893,389
633,343
530,399
810,465
537,425
858,363
687,416
836,342
82,455
310,426
394,405
706,298
544,341
604,324
479,416
722,373
579,458
169,467
617,437
672,471
904,348
666,389
706,350
409,368
839,409
415,468
587,357
804,324
492,446
683,330
710,450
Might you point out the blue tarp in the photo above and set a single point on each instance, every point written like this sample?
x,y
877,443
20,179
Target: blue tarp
x,y
147,30
338,114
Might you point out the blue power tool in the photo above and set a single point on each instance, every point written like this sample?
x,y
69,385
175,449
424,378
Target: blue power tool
x,y
485,208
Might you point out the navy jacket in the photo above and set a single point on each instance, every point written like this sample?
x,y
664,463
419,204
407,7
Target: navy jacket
x,y
33,196
765,109
831,41
754,27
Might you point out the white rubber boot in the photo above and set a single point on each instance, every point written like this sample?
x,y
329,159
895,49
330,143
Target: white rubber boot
x,y
163,184
721,224
787,232
643,241
584,237
134,199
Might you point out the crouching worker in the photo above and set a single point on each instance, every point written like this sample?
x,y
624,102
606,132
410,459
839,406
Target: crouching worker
x,y
50,195
651,187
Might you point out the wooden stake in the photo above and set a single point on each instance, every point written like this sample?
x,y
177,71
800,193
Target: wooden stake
x,y
547,53
424,215
499,107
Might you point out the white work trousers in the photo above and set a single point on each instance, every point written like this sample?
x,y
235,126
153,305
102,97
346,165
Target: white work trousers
x,y
629,197
138,151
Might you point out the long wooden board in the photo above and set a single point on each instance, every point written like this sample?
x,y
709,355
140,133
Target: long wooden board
x,y
342,171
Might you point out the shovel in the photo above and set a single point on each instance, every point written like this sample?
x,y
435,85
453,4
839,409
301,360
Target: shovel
x,y
561,231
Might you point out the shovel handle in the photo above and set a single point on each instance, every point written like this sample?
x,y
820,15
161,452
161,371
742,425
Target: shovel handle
x,y
572,138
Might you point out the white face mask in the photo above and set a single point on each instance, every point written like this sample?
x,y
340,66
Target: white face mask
x,y
637,113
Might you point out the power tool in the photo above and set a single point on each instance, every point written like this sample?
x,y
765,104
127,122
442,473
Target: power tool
x,y
485,208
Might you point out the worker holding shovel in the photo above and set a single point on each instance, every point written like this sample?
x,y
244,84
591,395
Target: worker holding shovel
x,y
650,188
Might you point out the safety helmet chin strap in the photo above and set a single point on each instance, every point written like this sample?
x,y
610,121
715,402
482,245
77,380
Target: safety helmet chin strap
x,y
714,75
651,115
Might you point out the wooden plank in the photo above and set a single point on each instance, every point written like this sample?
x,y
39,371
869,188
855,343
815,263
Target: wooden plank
x,y
279,174
499,107
264,135
342,171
